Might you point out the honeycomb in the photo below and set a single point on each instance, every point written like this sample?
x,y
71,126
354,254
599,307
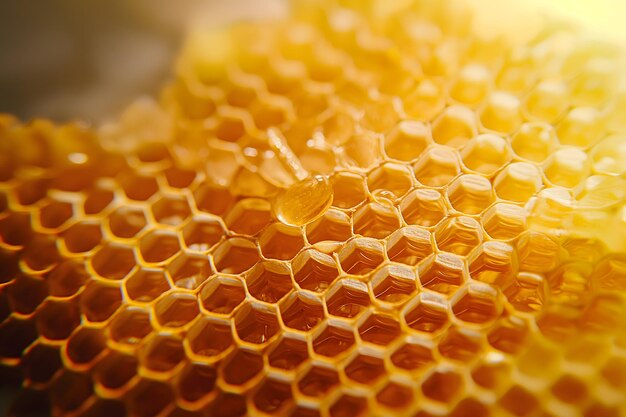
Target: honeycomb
x,y
364,209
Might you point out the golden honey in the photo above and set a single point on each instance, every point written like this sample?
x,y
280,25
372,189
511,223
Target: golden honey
x,y
358,210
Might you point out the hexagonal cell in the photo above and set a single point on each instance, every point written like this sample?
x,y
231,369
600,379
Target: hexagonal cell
x,y
233,124
427,313
242,366
269,281
221,295
492,372
280,241
127,222
443,272
486,153
273,396
69,391
361,255
567,167
189,271
443,385
459,235
139,187
518,401
200,234
146,284
158,246
504,221
115,370
302,311
175,309
334,338
534,141
509,335
581,126
15,336
57,319
393,283
179,178
394,395
212,199
82,237
518,182
130,325
152,152
409,245
100,300
289,352
314,270
55,213
437,166
427,100
40,363
318,380
547,100
609,272
365,369
256,323
40,254
413,355
423,207
334,225
97,200
361,151
25,293
149,398
31,191
376,220
162,353
477,303
380,329
472,84
271,111
348,190
461,344
15,229
608,156
84,345
348,405
537,252
407,140
171,210
348,298
209,336
470,194
249,216
614,372
494,263
196,382
235,255
454,126
501,112
228,405
392,178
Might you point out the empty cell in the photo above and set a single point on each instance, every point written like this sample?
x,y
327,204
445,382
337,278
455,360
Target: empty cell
x,y
40,254
581,127
427,313
221,294
170,210
279,241
423,207
16,335
146,284
443,272
314,270
115,370
100,300
126,222
149,398
459,235
82,237
348,405
161,353
158,246
235,255
443,385
567,167
470,194
409,245
461,344
437,166
347,298
454,126
361,255
176,309
209,336
25,293
348,189
179,178
394,395
393,283
289,352
518,401
57,319
501,112
380,329
70,390
196,382
486,153
15,229
269,281
229,405
504,221
333,339
273,396
130,325
54,214
407,140
97,200
85,345
477,303
233,124
318,381
138,187
29,192
413,355
200,234
365,369
249,216
301,311
494,263
256,323
534,141
472,84
334,225
40,363
188,271
241,366
547,100
213,199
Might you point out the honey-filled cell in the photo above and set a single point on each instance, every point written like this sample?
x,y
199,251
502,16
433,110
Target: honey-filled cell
x,y
359,208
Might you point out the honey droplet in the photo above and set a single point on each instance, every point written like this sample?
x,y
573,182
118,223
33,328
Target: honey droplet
x,y
304,201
